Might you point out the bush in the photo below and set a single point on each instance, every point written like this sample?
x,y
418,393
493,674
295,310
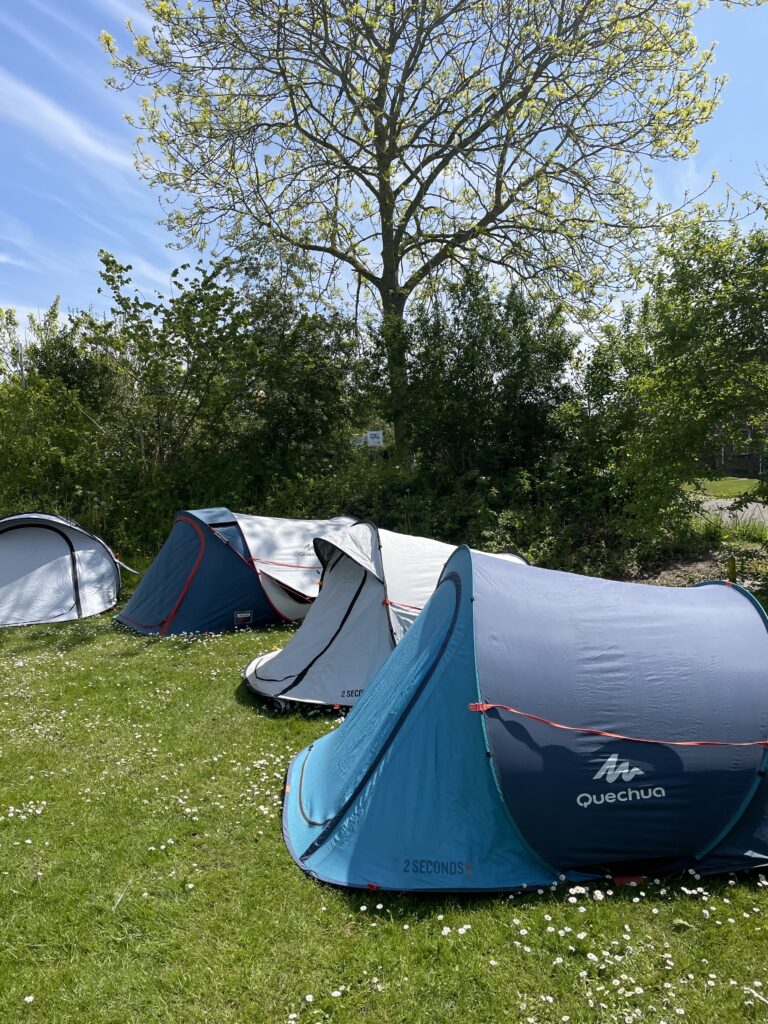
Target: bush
x,y
522,437
215,396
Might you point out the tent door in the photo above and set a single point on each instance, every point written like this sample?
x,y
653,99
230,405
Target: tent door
x,y
38,576
347,612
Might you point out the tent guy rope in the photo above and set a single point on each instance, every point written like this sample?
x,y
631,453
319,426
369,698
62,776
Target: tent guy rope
x,y
483,708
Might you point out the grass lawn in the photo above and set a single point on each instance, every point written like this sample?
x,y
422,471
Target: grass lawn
x,y
143,876
727,487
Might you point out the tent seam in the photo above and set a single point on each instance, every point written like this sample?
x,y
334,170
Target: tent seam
x,y
486,742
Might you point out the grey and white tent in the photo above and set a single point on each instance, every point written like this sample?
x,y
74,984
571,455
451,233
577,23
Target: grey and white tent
x,y
374,584
53,570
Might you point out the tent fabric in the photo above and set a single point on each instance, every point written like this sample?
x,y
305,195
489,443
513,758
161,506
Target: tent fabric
x,y
374,584
440,779
220,570
283,549
53,570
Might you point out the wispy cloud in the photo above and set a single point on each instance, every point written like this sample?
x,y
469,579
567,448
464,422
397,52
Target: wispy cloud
x,y
148,273
98,223
132,10
67,21
21,104
43,260
71,187
75,69
15,233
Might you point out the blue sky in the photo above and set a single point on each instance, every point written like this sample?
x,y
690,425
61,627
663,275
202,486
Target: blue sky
x,y
67,183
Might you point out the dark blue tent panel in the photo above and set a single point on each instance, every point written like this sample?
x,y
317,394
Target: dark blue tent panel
x,y
201,580
226,526
534,725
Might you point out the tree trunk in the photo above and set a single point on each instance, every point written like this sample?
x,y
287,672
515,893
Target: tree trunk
x,y
395,342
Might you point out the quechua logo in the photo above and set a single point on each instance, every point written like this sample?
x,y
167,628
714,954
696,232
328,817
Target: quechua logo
x,y
612,769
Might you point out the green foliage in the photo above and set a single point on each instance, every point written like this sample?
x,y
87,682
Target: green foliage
x,y
523,435
695,363
705,323
684,372
11,348
45,445
620,499
398,138
487,376
397,141
525,440
214,396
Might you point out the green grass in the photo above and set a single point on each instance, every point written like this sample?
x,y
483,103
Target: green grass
x,y
143,877
727,487
747,530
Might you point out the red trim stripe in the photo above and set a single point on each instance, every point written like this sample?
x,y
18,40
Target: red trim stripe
x,y
195,567
483,708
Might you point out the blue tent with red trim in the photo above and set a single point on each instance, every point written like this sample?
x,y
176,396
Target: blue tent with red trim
x,y
219,570
536,725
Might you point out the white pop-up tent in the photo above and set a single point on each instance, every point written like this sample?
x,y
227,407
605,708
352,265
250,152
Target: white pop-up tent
x,y
52,570
374,584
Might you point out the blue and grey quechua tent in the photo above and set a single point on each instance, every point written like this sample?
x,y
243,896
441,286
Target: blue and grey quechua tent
x,y
536,725
219,570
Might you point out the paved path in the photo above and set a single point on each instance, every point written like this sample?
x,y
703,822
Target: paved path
x,y
755,511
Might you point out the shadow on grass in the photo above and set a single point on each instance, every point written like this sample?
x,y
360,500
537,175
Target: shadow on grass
x,y
266,706
243,695
417,906
61,636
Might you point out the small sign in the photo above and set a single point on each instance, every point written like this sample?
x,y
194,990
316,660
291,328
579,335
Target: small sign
x,y
243,619
375,438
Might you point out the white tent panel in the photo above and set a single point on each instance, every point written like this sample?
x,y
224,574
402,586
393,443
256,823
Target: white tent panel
x,y
99,581
36,581
360,542
283,548
344,638
285,604
51,570
375,583
412,566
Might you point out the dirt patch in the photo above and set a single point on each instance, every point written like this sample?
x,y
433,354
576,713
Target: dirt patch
x,y
713,566
751,569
